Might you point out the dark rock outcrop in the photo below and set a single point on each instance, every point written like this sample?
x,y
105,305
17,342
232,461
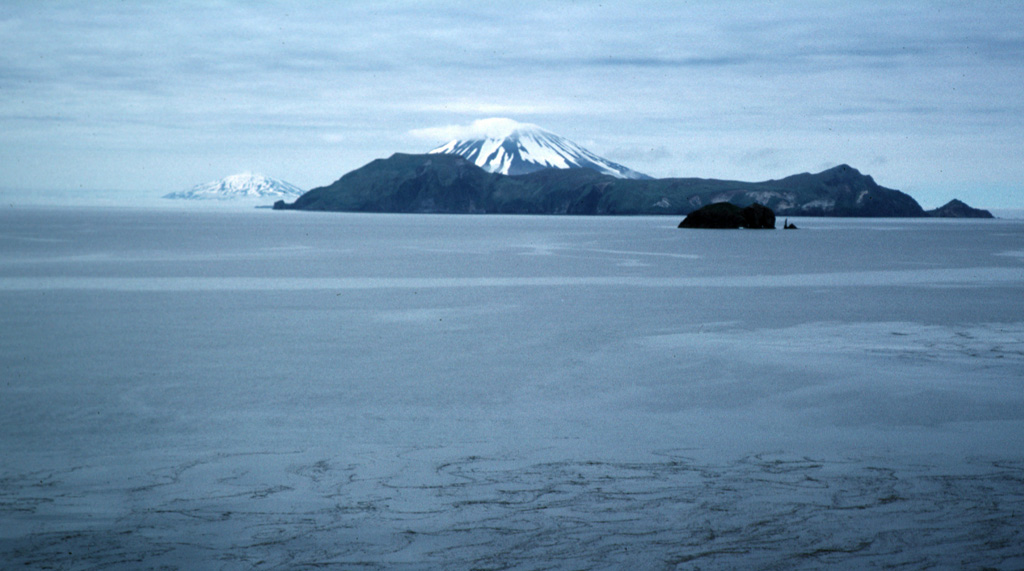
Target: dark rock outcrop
x,y
956,209
758,217
725,215
717,215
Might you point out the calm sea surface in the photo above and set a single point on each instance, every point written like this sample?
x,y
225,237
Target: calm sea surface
x,y
284,390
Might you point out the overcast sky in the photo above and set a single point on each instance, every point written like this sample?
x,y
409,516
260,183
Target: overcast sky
x,y
150,98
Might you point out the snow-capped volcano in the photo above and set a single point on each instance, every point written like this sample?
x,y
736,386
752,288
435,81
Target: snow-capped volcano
x,y
244,185
508,147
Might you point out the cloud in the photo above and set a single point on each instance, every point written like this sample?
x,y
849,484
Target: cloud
x,y
469,107
663,62
495,127
334,138
765,158
644,154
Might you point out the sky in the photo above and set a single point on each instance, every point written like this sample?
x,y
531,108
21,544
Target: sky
x,y
146,98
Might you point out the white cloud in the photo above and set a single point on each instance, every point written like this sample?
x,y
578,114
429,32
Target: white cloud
x,y
468,107
494,128
334,138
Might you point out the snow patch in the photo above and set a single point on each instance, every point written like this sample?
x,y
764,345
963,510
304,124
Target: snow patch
x,y
243,185
505,146
824,204
764,196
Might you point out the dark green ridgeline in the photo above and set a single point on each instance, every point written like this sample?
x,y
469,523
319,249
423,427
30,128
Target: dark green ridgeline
x,y
442,183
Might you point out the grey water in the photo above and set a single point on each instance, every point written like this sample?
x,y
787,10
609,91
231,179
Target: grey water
x,y
196,389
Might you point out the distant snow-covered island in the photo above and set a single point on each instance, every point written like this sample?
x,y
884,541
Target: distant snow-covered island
x,y
240,186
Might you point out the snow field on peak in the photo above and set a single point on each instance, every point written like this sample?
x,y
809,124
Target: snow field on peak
x,y
505,146
243,185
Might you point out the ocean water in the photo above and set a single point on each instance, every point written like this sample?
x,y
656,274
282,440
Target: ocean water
x,y
250,389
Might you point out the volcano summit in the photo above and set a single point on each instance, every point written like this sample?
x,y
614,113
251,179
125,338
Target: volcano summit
x,y
504,146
